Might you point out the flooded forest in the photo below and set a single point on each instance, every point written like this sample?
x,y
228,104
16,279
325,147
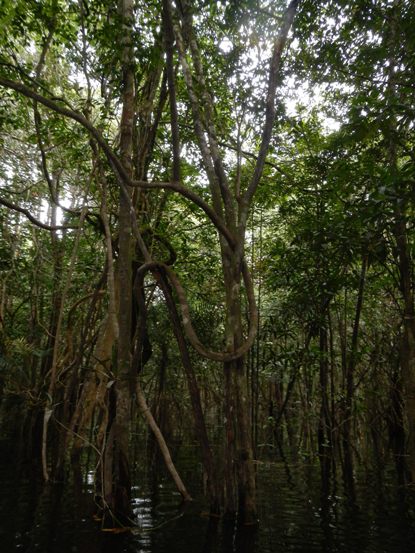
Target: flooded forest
x,y
207,319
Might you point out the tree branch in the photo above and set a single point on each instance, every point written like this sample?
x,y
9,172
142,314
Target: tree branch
x,y
33,219
196,199
198,122
115,162
71,114
273,82
169,40
44,164
186,318
208,112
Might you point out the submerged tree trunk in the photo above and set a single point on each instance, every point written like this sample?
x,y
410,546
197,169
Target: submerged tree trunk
x,y
199,419
239,471
117,480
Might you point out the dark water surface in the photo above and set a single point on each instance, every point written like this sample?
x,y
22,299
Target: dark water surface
x,y
297,514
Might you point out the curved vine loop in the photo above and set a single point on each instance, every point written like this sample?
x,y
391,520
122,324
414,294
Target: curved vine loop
x,y
223,356
163,240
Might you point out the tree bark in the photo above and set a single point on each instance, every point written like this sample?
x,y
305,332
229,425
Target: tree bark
x,y
241,492
117,480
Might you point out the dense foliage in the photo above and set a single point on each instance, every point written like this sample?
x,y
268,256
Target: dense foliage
x,y
141,139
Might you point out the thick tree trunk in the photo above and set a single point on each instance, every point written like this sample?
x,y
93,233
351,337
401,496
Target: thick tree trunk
x,y
247,511
117,483
241,490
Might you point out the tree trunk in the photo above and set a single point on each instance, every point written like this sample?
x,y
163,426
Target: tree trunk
x,y
199,420
325,424
407,352
241,491
162,444
402,246
350,383
117,482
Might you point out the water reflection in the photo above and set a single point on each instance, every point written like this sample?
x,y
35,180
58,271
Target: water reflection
x,y
303,513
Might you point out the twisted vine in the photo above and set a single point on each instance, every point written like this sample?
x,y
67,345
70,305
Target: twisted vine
x,y
155,266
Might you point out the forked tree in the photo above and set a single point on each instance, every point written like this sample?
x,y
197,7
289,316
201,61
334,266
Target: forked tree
x,y
228,210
